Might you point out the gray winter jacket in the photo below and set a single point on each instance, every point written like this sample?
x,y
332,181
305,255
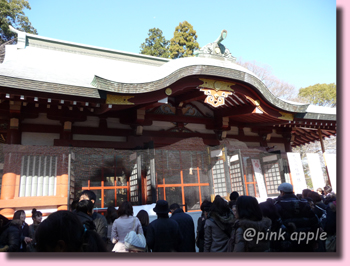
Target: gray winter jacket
x,y
217,231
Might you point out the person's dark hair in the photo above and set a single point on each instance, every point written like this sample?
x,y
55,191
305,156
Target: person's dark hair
x,y
234,195
219,206
143,217
125,209
248,208
90,194
305,192
64,229
73,205
205,206
85,206
174,206
111,214
314,196
36,213
17,214
268,209
327,189
60,225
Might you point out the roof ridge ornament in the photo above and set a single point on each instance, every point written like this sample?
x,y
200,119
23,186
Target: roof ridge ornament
x,y
216,49
21,37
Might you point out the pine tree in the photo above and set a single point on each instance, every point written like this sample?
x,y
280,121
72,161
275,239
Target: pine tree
x,y
11,13
184,42
155,44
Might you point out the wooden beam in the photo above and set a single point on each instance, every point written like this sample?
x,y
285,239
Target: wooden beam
x,y
180,119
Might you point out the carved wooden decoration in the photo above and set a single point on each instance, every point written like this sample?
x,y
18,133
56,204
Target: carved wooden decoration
x,y
216,84
119,99
215,98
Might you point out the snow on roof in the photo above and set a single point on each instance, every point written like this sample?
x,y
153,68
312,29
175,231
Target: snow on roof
x,y
315,108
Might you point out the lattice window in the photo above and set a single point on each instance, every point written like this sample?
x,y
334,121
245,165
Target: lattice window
x,y
236,178
272,177
219,178
38,176
148,186
134,194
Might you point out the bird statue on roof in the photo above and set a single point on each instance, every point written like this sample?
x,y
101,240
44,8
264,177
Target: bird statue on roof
x,y
216,48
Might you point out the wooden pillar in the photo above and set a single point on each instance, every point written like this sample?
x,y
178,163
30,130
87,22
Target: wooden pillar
x,y
323,153
263,142
13,133
62,176
67,131
11,170
9,178
139,177
288,139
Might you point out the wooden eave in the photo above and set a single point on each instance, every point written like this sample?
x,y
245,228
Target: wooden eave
x,y
75,104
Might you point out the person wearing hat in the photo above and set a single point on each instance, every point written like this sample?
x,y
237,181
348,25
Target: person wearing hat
x,y
163,234
297,216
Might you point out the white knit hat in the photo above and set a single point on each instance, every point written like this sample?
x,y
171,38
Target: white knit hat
x,y
135,241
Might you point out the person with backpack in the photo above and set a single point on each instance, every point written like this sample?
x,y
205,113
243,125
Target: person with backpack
x,y
298,217
125,223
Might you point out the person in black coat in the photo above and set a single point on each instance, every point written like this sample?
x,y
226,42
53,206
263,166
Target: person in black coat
x,y
163,234
297,216
23,230
329,225
82,210
205,207
143,216
186,225
98,219
62,231
10,237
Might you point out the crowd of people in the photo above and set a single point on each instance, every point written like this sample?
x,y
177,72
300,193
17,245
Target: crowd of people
x,y
288,223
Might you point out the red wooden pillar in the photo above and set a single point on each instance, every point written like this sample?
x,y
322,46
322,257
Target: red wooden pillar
x,y
62,179
12,165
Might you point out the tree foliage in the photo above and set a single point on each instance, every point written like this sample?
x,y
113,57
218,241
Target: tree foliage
x,y
184,42
320,94
155,44
11,13
278,87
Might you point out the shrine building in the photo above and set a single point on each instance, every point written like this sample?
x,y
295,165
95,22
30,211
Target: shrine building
x,y
140,128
